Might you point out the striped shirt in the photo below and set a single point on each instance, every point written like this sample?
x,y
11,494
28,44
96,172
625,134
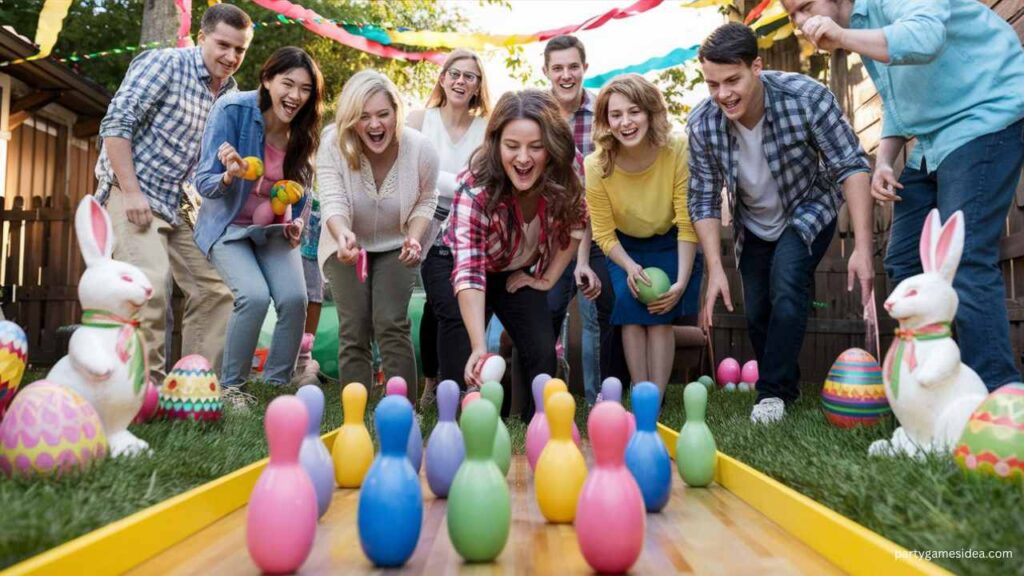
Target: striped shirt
x,y
161,107
809,146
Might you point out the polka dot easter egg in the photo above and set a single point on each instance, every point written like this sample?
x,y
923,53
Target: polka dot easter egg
x,y
50,430
13,353
854,394
993,440
191,391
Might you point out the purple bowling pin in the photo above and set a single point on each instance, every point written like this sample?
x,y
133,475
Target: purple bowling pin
x,y
397,386
445,447
313,455
537,432
611,391
282,513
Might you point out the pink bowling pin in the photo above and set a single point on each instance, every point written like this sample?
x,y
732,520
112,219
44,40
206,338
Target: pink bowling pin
x,y
610,517
469,398
282,513
611,391
538,433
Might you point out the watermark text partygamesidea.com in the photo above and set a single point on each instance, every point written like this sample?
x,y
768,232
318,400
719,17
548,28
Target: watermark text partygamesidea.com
x,y
961,554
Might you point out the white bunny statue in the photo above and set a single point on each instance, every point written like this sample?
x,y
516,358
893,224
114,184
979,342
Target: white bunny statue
x,y
106,361
931,392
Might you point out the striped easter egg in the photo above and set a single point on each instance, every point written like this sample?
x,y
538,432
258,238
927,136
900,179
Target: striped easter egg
x,y
854,394
13,354
993,440
191,391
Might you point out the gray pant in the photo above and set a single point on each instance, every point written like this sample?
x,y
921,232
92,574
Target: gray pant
x,y
256,274
378,308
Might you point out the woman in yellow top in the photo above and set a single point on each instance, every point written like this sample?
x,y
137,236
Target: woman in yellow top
x,y
636,190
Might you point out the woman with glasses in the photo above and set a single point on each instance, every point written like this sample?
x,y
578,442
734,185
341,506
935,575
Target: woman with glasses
x,y
454,121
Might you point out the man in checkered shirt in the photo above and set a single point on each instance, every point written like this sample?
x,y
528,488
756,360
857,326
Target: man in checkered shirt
x,y
779,145
151,137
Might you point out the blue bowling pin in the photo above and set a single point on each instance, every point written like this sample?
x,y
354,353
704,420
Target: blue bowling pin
x,y
313,456
390,502
445,447
646,455
397,385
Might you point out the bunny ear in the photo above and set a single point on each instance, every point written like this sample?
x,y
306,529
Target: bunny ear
x,y
94,231
950,246
928,233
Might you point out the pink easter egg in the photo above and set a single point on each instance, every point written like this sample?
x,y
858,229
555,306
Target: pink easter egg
x,y
728,372
749,373
150,403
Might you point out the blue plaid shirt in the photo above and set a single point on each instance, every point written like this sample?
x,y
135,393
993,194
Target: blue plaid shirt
x,y
161,106
809,146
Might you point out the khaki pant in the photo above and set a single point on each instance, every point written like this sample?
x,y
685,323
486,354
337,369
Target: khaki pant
x,y
161,251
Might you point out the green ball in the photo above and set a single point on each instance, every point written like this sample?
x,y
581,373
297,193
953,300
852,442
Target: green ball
x,y
659,285
707,381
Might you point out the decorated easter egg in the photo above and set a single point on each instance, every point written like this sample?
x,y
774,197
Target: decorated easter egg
x,y
749,373
286,191
728,372
253,168
13,354
993,440
50,430
277,206
659,285
492,368
191,391
150,402
854,393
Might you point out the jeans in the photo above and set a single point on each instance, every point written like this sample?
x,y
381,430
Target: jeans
x,y
979,178
776,292
598,332
256,274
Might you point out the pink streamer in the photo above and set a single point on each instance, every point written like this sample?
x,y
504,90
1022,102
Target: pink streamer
x,y
185,26
322,26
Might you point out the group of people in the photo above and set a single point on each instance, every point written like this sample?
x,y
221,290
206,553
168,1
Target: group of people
x,y
509,209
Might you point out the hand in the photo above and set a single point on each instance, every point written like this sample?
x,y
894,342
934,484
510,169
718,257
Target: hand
x,y
411,252
823,32
520,279
232,161
667,301
472,372
884,184
861,267
587,281
717,284
635,273
348,249
293,232
136,207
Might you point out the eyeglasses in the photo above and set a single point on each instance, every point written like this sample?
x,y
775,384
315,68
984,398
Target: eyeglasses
x,y
469,77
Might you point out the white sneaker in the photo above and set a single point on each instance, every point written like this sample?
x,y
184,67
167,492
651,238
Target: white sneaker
x,y
768,411
235,399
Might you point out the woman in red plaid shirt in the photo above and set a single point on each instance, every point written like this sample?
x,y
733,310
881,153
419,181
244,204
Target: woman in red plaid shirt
x,y
517,217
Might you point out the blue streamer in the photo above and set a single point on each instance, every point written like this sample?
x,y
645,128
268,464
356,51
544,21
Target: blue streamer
x,y
673,58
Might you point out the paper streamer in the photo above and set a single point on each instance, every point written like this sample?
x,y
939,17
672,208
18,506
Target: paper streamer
x,y
706,3
755,13
322,26
770,22
51,21
185,22
673,58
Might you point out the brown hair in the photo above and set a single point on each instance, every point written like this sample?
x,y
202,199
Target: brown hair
x,y
644,94
560,186
480,103
231,15
564,42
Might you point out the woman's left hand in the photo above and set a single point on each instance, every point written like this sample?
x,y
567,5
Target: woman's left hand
x,y
668,300
411,252
293,232
520,279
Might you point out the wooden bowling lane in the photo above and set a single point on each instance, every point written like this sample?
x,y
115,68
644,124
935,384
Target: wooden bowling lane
x,y
701,531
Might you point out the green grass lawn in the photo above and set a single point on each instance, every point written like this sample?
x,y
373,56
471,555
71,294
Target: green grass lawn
x,y
921,506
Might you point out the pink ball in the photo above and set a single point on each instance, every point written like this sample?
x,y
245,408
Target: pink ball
x,y
469,399
728,372
150,402
749,373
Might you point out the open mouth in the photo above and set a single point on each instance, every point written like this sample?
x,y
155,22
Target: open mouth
x,y
459,91
377,137
289,108
730,106
567,85
523,173
628,134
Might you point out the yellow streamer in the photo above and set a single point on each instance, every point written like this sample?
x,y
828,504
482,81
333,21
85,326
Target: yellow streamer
x,y
706,3
51,21
471,41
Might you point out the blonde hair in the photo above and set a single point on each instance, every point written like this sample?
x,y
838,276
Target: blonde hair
x,y
354,95
480,103
644,94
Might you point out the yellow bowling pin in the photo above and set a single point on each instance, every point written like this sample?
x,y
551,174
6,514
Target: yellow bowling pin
x,y
353,448
561,469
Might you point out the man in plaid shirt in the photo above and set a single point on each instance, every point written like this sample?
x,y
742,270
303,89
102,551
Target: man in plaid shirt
x,y
151,137
779,145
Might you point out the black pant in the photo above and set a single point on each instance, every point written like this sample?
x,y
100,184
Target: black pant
x,y
452,341
428,340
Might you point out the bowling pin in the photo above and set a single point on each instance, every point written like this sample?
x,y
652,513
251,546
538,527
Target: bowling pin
x,y
469,398
696,453
646,455
610,518
445,449
537,433
479,504
493,392
492,368
391,502
397,386
353,448
280,521
535,443
611,391
313,455
561,469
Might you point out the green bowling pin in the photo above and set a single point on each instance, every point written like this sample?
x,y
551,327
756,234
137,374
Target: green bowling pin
x,y
696,453
493,392
479,505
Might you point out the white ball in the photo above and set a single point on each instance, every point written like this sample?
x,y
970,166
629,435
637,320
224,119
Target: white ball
x,y
492,369
729,387
743,387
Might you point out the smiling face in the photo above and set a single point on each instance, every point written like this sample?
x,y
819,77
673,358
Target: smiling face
x,y
461,82
565,70
224,49
376,125
627,121
735,88
801,10
289,92
523,154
